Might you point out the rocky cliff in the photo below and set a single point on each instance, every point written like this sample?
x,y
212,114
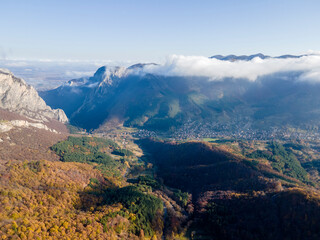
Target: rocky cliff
x,y
17,96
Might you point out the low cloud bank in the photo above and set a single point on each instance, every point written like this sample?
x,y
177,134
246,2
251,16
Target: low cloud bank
x,y
214,69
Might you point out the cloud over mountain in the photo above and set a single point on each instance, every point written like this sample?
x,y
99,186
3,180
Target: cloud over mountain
x,y
215,69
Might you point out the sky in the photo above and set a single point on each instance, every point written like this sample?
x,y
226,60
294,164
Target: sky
x,y
145,30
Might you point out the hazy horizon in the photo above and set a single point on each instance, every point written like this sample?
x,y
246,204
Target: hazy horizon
x,y
47,74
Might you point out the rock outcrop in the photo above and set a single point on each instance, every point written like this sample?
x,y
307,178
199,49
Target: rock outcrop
x,y
6,126
19,97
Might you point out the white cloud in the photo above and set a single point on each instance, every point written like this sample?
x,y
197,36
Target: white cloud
x,y
177,65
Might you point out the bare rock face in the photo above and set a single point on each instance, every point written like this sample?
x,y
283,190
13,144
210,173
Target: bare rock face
x,y
19,97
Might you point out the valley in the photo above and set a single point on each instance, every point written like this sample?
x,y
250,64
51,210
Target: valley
x,y
148,156
198,130
159,120
275,106
116,185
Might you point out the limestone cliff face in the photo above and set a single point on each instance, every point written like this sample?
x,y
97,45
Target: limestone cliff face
x,y
17,96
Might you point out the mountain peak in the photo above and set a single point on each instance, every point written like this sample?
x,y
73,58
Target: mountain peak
x,y
107,75
100,72
17,96
5,71
141,65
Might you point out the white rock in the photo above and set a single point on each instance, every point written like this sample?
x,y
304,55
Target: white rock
x,y
17,96
5,127
26,124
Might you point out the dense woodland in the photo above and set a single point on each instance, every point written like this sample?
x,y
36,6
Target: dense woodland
x,y
83,196
242,190
192,190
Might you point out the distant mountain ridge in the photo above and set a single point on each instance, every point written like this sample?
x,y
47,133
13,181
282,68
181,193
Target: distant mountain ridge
x,y
250,57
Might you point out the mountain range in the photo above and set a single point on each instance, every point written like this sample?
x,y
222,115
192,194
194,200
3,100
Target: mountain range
x,y
250,57
137,98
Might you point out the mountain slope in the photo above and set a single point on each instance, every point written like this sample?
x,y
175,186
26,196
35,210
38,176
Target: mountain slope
x,y
17,96
237,195
136,98
152,101
28,127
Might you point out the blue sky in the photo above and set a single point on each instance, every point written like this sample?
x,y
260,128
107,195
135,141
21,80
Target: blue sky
x,y
146,30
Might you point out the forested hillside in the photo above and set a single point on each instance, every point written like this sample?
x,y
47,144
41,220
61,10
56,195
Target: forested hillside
x,y
82,196
242,190
97,188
